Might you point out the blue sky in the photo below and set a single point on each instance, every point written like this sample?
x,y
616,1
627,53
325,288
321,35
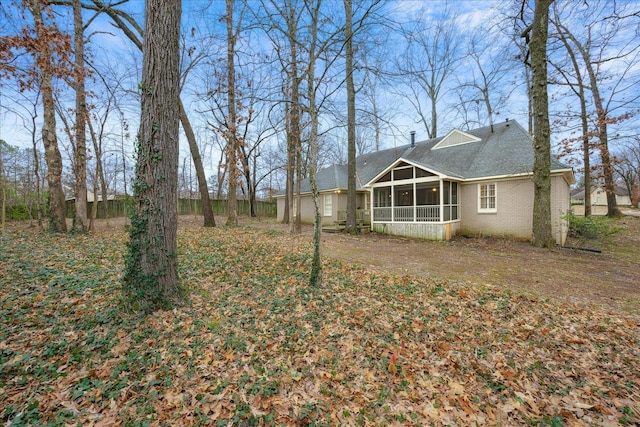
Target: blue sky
x,y
111,50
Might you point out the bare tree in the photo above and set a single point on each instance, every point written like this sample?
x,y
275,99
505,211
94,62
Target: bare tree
x,y
427,65
151,276
485,88
578,87
542,235
231,119
351,225
134,32
80,223
627,166
596,48
315,276
48,41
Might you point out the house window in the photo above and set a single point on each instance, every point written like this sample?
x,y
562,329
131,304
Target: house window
x,y
487,198
327,204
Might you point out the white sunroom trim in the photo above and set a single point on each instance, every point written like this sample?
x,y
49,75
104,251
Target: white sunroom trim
x,y
441,206
372,182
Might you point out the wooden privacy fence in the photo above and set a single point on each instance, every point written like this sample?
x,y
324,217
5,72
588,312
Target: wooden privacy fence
x,y
122,207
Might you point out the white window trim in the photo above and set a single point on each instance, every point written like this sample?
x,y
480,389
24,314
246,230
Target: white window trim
x,y
488,210
325,205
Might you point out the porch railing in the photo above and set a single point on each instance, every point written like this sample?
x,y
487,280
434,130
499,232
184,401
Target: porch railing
x,y
403,213
363,216
382,214
430,213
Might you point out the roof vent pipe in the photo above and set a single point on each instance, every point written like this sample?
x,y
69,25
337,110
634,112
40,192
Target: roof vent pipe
x,y
507,121
413,138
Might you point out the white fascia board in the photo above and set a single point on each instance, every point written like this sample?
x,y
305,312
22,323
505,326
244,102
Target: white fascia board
x,y
514,175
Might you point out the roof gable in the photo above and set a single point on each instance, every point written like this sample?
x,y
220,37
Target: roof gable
x,y
455,137
401,162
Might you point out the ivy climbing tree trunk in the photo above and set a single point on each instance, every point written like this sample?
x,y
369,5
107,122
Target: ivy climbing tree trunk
x,y
542,235
151,277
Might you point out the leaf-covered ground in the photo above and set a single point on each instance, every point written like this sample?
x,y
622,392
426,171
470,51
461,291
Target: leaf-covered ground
x,y
257,346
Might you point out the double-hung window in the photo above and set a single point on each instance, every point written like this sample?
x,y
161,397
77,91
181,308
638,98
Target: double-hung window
x,y
327,204
487,199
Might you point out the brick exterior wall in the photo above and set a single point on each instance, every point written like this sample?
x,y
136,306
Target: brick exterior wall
x,y
513,217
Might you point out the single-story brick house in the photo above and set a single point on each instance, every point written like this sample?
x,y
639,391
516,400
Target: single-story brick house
x,y
478,182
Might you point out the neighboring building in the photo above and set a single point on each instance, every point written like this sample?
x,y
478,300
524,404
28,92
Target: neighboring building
x,y
599,196
477,182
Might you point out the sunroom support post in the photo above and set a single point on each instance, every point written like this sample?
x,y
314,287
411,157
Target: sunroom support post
x,y
441,208
415,200
393,203
371,205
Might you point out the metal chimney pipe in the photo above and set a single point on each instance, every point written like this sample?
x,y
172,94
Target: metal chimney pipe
x,y
413,138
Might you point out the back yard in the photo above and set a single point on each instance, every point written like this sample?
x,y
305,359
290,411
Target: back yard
x,y
610,279
403,332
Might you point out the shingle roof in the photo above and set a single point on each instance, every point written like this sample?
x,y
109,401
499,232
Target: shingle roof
x,y
578,193
507,150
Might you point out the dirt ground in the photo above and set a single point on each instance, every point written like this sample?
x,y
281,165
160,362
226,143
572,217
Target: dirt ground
x,y
609,279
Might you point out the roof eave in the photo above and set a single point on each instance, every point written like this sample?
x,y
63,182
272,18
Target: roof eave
x,y
567,173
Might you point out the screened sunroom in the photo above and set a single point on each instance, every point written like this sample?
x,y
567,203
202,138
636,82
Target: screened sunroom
x,y
409,197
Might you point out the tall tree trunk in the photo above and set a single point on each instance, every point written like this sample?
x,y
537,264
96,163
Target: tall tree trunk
x,y
222,173
36,171
3,183
232,137
578,89
4,202
250,188
542,234
291,156
99,177
151,276
294,112
351,225
603,145
207,209
209,219
315,276
246,171
80,223
94,206
254,188
57,208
